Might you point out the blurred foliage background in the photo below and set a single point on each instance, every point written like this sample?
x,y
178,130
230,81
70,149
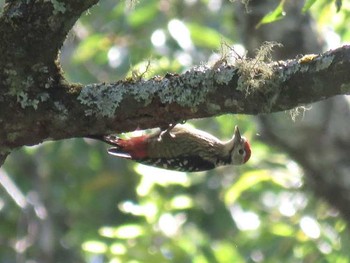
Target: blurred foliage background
x,y
69,201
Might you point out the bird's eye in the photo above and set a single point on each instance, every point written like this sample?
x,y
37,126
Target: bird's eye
x,y
241,151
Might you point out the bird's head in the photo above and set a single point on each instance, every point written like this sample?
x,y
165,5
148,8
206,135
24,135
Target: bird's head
x,y
240,148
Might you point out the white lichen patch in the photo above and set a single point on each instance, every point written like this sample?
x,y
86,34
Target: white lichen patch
x,y
324,62
288,70
43,96
102,99
224,75
22,98
12,137
49,83
229,103
213,108
21,87
61,108
143,91
304,68
189,90
40,67
58,7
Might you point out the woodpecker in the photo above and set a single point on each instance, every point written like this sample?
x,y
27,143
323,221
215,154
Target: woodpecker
x,y
181,148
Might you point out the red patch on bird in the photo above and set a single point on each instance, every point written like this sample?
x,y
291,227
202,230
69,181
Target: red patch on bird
x,y
248,151
136,146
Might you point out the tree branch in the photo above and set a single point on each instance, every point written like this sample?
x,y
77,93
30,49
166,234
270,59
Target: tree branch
x,y
204,92
31,34
200,92
40,105
35,30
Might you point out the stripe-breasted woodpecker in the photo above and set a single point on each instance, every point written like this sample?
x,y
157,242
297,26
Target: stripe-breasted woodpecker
x,y
181,148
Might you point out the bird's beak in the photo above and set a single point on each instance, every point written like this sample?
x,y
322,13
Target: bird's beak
x,y
237,138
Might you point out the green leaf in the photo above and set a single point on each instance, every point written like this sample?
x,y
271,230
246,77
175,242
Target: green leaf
x,y
308,5
205,36
338,4
142,14
245,182
181,202
92,47
273,16
94,246
282,229
226,253
126,231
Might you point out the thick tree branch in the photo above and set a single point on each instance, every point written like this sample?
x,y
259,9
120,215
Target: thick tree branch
x,y
35,30
40,105
77,111
31,34
204,92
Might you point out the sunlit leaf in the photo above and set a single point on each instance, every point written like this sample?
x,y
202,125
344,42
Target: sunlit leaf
x,y
245,182
156,176
273,16
181,202
227,253
282,229
118,249
92,47
123,232
308,5
205,36
142,14
118,10
94,246
340,225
